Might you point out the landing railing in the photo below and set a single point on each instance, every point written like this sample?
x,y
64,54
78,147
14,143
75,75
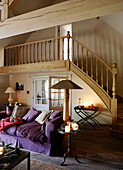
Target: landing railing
x,y
33,52
54,49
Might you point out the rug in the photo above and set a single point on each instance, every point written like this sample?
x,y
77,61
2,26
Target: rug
x,y
37,165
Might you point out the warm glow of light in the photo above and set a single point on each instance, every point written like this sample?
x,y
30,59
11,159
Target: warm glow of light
x,y
1,150
67,129
89,103
75,126
86,105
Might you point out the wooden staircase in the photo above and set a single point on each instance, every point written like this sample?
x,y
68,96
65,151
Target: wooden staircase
x,y
83,62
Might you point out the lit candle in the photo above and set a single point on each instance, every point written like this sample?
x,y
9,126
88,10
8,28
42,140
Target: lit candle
x,y
1,150
75,126
67,129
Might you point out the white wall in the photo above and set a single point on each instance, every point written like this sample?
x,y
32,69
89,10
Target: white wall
x,y
88,97
105,41
4,83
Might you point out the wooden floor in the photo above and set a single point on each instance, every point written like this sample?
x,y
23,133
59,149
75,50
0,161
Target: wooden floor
x,y
96,149
98,144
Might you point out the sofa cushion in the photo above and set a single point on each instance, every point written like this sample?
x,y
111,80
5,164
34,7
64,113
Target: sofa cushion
x,y
31,115
9,110
55,114
11,130
19,111
57,121
43,116
19,134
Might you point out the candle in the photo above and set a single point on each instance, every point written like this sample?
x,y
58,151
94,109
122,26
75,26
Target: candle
x,y
67,129
92,105
75,126
1,150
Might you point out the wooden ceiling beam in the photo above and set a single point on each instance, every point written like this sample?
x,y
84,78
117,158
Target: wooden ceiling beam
x,y
62,13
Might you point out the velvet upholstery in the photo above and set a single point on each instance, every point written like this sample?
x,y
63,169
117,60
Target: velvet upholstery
x,y
48,143
31,115
11,130
55,114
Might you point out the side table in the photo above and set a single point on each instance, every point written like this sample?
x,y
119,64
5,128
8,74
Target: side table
x,y
83,113
69,151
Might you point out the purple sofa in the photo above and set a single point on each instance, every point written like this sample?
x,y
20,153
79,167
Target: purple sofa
x,y
48,143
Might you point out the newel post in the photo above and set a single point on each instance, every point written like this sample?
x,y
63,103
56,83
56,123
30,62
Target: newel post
x,y
114,85
68,46
114,99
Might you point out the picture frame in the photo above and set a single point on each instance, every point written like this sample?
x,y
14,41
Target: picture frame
x,y
19,86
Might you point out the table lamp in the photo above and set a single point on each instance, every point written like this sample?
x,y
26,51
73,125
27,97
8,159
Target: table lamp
x,y
66,85
10,90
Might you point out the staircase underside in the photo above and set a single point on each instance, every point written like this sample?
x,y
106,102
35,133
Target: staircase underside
x,y
63,65
99,91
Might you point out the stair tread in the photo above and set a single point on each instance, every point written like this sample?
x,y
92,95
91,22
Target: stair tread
x,y
120,124
120,117
118,131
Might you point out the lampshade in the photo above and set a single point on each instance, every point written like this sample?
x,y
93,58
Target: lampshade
x,y
9,90
66,84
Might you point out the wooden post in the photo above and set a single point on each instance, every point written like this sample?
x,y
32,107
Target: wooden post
x,y
92,73
68,39
114,100
82,59
72,50
62,48
66,105
96,70
4,10
41,52
53,50
86,61
5,57
114,85
114,113
37,52
77,54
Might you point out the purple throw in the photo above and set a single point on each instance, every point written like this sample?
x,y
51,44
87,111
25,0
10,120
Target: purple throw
x,y
32,130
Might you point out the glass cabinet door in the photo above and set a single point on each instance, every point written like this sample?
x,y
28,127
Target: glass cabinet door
x,y
41,93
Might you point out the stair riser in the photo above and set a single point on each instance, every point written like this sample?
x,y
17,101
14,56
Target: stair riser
x,y
120,121
120,127
116,134
120,114
120,110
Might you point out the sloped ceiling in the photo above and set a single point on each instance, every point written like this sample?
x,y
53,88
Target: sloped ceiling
x,y
24,6
115,21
